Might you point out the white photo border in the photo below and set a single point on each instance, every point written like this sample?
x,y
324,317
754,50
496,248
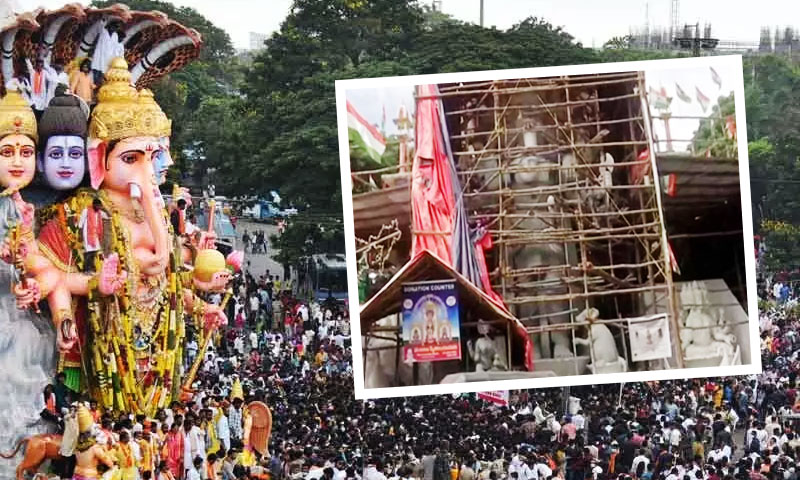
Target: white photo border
x,y
725,61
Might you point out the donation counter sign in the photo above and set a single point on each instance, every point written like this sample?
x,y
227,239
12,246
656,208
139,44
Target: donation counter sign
x,y
431,328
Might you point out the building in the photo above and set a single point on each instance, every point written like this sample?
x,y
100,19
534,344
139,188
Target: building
x,y
257,40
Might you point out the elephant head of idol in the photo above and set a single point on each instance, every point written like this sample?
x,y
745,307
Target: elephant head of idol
x,y
126,134
18,137
211,274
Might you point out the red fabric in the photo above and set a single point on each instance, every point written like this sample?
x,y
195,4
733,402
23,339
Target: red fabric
x,y
53,238
638,172
181,222
37,82
51,403
432,200
94,222
485,243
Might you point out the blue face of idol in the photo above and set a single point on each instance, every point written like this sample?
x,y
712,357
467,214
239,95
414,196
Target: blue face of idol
x,y
162,160
63,161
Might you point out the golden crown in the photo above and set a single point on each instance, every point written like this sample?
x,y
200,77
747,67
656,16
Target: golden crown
x,y
16,116
124,112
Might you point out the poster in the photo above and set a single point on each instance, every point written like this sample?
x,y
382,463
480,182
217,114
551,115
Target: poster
x,y
499,397
650,339
431,328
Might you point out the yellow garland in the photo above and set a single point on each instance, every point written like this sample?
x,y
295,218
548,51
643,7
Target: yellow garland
x,y
111,320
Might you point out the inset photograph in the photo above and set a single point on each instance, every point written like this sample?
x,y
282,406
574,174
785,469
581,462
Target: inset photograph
x,y
544,227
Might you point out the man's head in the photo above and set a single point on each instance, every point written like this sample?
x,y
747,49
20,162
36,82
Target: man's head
x,y
181,204
61,378
38,65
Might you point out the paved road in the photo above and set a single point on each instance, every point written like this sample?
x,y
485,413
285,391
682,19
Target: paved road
x,y
259,262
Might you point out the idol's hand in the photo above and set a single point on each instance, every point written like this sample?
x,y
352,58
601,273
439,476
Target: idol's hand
x,y
28,295
67,335
207,240
214,317
110,280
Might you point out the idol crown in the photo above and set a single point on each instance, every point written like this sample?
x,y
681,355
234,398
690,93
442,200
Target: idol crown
x,y
124,112
16,116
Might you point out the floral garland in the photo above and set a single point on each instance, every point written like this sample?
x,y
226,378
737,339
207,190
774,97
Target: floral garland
x,y
116,355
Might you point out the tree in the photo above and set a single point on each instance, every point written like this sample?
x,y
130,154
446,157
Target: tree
x,y
713,136
619,43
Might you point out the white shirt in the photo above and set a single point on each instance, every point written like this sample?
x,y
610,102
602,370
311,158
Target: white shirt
x,y
84,226
39,100
193,474
253,340
254,304
107,48
197,437
637,461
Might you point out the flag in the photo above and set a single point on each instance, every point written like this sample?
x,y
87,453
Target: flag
x,y
716,78
499,397
364,135
704,101
660,99
681,94
669,184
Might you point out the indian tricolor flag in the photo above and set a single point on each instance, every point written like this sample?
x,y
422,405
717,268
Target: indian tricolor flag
x,y
363,135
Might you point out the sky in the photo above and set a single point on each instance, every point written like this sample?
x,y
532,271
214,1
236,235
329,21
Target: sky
x,y
592,22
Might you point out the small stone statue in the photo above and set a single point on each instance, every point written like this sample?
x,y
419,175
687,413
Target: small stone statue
x,y
483,352
606,356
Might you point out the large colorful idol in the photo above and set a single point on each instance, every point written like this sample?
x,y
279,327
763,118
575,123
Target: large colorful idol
x,y
130,313
26,339
116,279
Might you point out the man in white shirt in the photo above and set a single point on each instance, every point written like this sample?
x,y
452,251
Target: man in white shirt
x,y
640,458
40,80
253,340
107,47
194,443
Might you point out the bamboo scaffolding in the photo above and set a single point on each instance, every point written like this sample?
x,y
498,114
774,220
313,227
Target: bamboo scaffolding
x,y
609,232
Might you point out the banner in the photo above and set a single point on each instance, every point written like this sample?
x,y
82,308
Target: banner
x,y
649,339
499,397
431,327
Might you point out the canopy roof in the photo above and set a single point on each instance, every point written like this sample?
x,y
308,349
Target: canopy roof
x,y
427,266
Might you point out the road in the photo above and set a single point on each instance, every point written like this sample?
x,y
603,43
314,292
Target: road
x,y
259,262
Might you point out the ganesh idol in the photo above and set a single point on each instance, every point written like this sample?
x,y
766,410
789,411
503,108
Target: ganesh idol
x,y
130,311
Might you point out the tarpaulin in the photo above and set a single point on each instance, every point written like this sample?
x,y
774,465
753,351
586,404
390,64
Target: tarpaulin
x,y
432,198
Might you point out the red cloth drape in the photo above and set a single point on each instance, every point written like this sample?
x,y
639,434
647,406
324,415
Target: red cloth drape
x,y
432,201
485,243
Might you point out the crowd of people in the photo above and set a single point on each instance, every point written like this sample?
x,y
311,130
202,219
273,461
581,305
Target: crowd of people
x,y
256,241
295,356
292,355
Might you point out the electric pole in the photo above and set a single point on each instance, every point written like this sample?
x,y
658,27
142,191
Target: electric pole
x,y
481,13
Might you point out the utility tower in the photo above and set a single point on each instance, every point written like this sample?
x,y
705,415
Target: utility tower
x,y
674,17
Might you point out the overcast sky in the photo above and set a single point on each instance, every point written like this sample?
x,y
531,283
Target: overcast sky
x,y
590,21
